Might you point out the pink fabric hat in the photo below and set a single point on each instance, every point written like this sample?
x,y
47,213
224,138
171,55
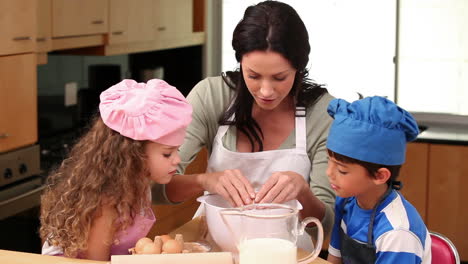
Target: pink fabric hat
x,y
153,111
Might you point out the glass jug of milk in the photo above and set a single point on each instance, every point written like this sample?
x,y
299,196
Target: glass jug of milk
x,y
268,233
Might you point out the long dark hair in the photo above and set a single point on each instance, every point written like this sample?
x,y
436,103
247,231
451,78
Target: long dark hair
x,y
273,26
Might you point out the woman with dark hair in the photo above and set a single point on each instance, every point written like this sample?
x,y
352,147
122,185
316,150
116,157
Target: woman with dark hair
x,y
265,125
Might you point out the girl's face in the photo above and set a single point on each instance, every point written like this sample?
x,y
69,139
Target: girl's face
x,y
162,161
268,76
348,179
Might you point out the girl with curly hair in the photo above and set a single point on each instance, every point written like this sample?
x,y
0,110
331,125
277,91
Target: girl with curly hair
x,y
98,202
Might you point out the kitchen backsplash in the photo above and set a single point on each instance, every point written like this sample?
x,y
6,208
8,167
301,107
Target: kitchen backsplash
x,y
62,69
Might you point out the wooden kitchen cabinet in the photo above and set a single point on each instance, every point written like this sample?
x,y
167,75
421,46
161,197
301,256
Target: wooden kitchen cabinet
x,y
17,26
414,176
198,15
130,21
172,19
18,101
448,199
79,17
435,177
44,26
147,25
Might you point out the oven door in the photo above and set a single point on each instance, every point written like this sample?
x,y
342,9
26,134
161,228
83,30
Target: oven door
x,y
19,215
21,196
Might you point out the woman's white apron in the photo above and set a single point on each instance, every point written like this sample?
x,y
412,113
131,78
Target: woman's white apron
x,y
257,167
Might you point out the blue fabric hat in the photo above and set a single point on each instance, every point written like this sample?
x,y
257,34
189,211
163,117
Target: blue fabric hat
x,y
373,129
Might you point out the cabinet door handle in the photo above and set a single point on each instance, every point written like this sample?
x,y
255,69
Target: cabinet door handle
x,y
117,33
4,135
41,39
97,22
22,38
161,28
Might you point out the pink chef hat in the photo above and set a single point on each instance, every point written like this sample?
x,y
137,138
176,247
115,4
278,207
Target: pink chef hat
x,y
154,111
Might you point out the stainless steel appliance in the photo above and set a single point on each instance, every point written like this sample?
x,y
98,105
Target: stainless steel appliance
x,y
21,185
20,181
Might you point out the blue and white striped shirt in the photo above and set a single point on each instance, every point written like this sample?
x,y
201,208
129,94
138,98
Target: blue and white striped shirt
x,y
399,235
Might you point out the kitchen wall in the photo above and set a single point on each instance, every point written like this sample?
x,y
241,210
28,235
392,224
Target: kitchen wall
x,y
64,111
64,102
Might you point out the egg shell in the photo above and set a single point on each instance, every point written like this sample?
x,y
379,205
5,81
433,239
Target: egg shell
x,y
179,238
158,241
150,248
172,246
165,238
141,243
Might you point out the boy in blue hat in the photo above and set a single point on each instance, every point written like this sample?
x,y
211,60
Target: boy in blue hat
x,y
373,222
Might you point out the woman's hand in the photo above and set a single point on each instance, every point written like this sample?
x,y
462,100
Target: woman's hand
x,y
230,184
281,187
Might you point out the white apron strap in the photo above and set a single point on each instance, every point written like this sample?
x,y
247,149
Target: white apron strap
x,y
301,142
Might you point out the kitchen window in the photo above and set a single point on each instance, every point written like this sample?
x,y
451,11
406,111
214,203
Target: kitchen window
x,y
354,45
433,56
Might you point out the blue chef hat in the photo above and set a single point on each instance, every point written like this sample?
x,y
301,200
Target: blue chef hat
x,y
373,129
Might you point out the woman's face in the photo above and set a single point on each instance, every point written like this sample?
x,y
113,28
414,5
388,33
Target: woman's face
x,y
268,76
162,161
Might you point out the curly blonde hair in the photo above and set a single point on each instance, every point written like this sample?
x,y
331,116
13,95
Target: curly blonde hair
x,y
103,166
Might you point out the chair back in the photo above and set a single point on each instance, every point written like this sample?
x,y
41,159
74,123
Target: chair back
x,y
443,250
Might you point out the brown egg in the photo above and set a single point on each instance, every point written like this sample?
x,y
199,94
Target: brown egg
x,y
172,246
165,238
179,238
141,243
150,248
158,241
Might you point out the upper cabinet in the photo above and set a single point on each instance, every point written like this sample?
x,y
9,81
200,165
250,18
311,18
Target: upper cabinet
x,y
173,18
130,21
75,18
146,25
18,101
17,26
99,27
43,26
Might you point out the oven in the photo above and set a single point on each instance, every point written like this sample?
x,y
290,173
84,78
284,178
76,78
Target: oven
x,y
23,174
21,185
23,171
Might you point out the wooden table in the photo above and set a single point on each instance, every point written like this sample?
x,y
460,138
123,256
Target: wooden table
x,y
15,257
195,229
191,231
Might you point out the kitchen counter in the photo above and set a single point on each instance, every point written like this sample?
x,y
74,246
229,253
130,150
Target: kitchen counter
x,y
444,134
15,257
191,232
442,128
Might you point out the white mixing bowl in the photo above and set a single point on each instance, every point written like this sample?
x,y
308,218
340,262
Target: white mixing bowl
x,y
219,231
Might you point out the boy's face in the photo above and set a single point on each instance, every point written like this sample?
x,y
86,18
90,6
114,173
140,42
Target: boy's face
x,y
348,179
162,161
